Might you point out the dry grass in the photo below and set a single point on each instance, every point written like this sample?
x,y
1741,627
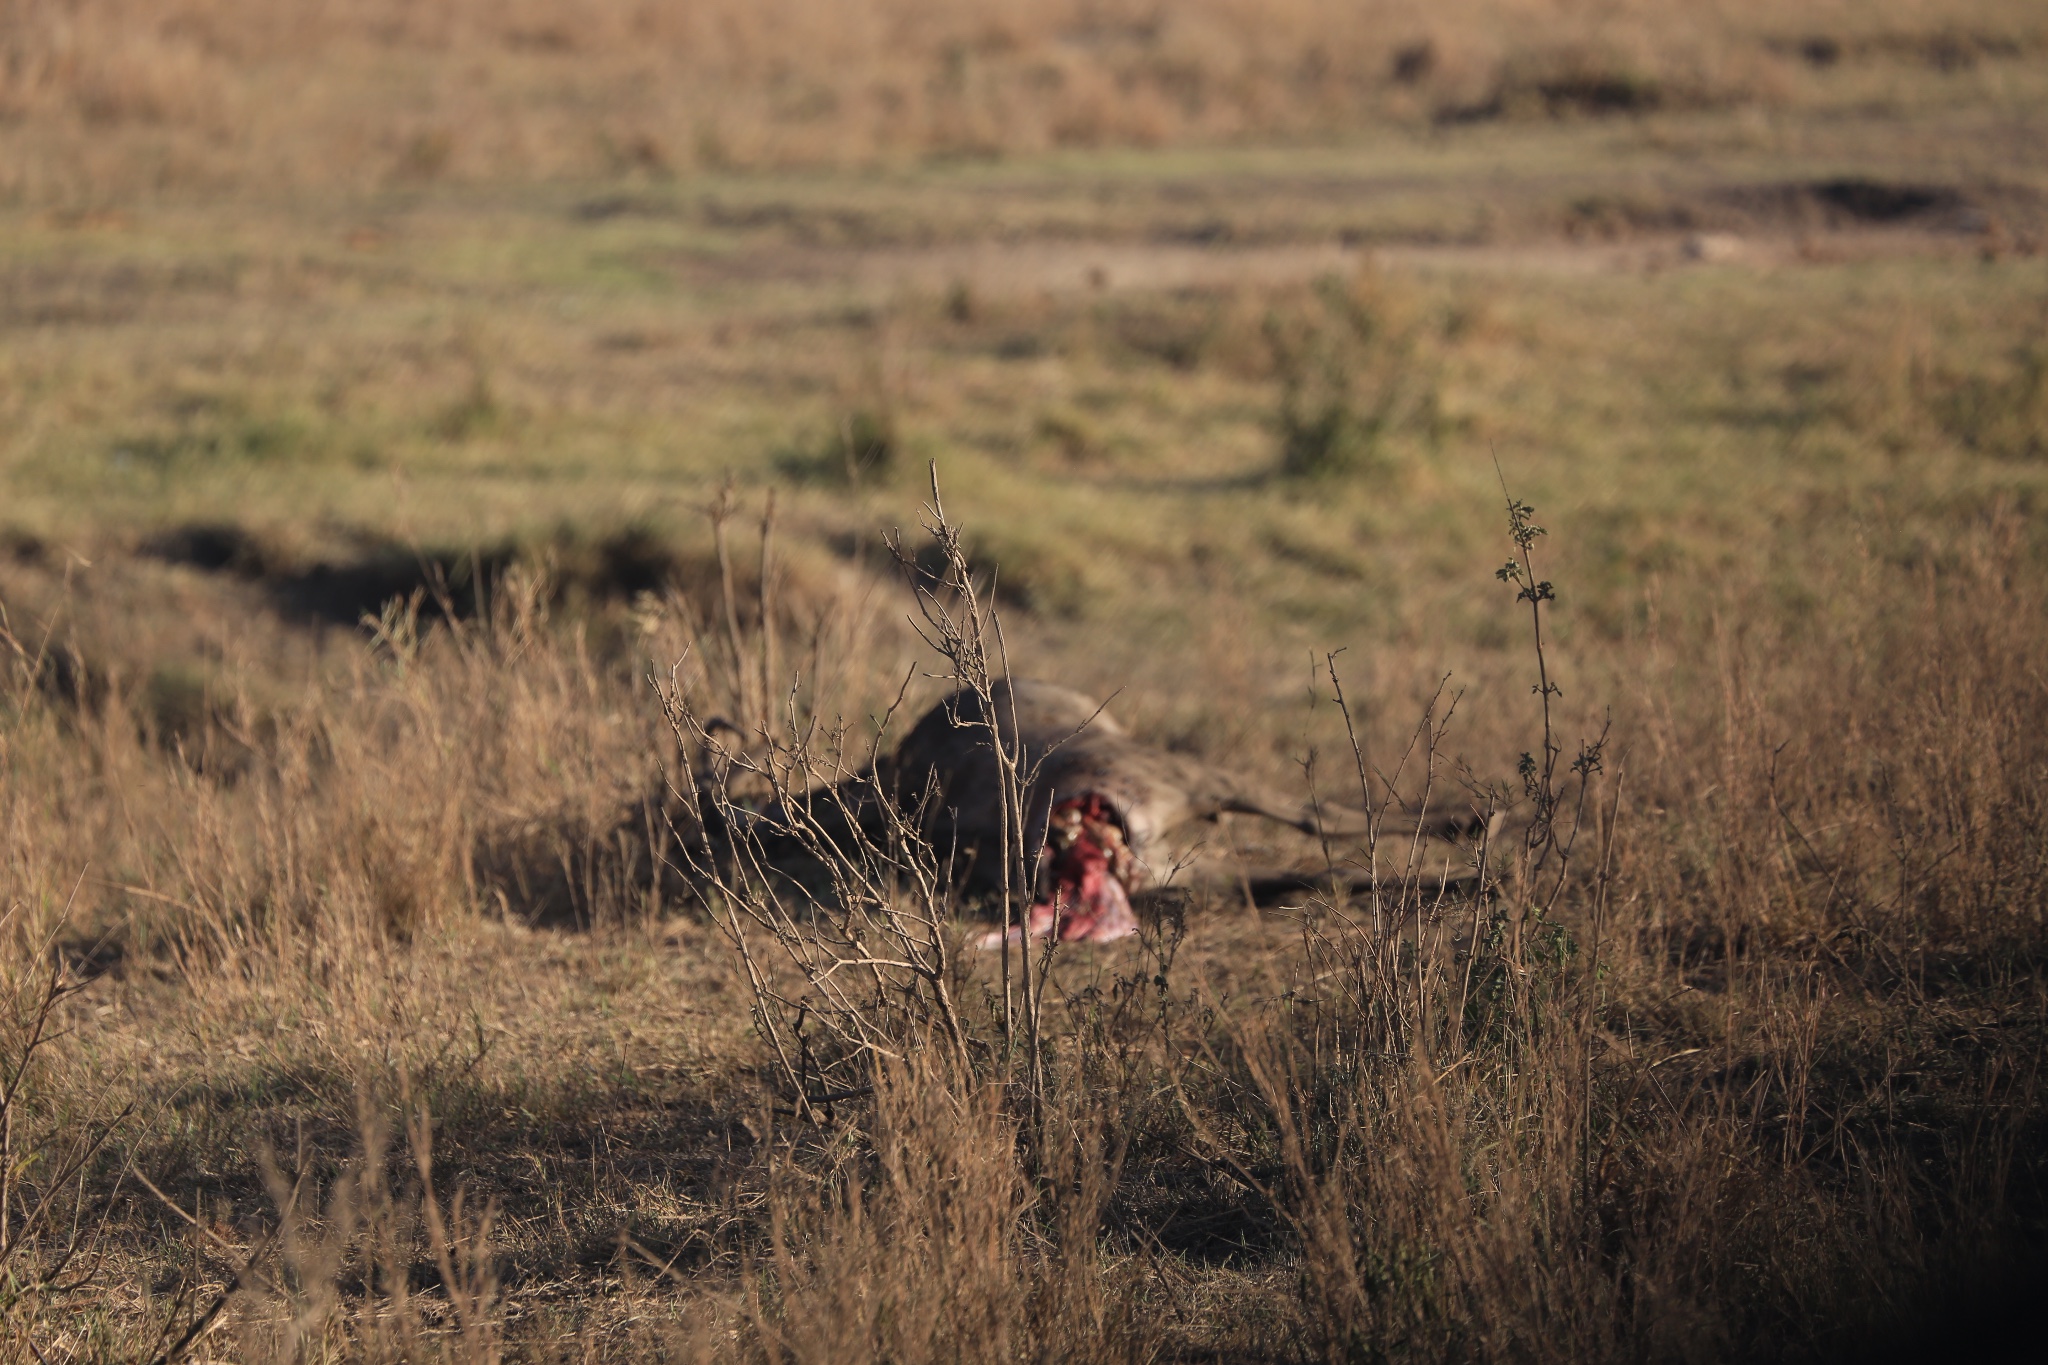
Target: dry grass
x,y
369,989
112,98
1754,1078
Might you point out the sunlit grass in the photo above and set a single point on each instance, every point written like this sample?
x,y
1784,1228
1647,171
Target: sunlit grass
x,y
1794,505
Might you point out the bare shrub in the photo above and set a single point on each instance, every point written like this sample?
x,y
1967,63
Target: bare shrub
x,y
872,946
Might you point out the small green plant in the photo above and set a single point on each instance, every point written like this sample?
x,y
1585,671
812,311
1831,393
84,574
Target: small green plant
x,y
475,413
1072,434
869,444
861,447
2006,416
1347,380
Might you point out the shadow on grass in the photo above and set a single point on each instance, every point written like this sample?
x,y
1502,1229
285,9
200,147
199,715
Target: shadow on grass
x,y
459,581
571,1161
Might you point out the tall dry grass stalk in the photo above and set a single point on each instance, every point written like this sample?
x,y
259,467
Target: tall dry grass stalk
x,y
932,1243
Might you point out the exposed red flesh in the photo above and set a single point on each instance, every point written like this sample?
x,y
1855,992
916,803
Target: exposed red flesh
x,y
1083,868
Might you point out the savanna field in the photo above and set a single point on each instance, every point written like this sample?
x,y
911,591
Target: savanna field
x,y
460,463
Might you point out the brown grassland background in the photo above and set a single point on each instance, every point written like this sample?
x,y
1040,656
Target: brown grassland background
x,y
106,96
409,412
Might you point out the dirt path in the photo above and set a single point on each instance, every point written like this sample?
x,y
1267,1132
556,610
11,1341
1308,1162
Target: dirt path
x,y
1078,267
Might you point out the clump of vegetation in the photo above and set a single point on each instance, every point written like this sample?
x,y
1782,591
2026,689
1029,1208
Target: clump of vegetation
x,y
477,412
1072,434
2003,415
869,445
862,448
1349,376
219,435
